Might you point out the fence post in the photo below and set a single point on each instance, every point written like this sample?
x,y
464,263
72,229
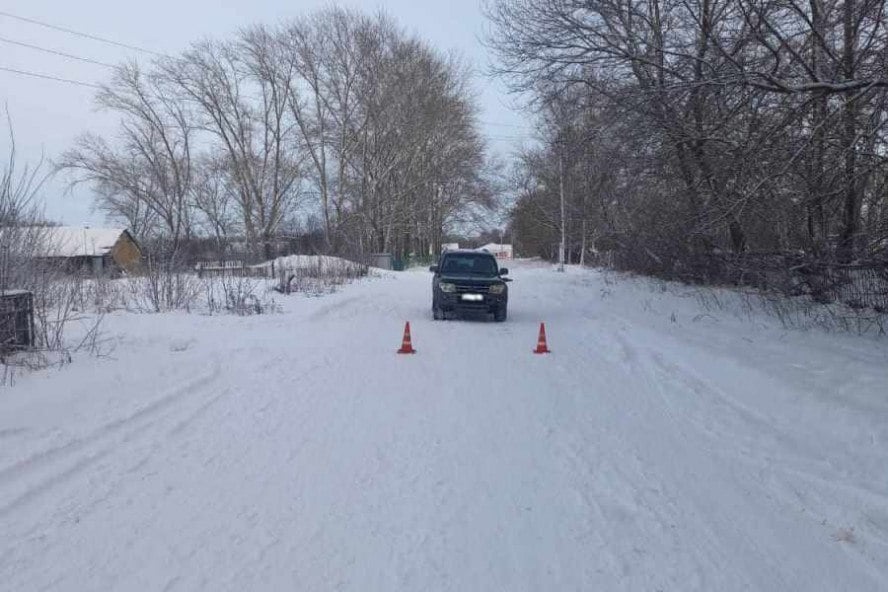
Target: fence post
x,y
32,333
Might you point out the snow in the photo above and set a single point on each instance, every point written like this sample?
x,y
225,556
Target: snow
x,y
500,250
315,263
72,241
659,447
311,262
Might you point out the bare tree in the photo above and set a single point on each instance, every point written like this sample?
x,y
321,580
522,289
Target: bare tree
x,y
337,114
732,117
21,221
146,180
240,101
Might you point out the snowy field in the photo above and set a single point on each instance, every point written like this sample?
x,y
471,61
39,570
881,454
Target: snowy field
x,y
659,447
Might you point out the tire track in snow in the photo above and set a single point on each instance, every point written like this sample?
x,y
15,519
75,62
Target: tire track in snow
x,y
334,308
106,430
772,452
12,432
101,442
775,443
638,498
33,492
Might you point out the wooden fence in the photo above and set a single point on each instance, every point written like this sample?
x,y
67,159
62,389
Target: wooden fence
x,y
235,269
862,284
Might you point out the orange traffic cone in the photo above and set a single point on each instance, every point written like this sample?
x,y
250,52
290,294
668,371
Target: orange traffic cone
x,y
406,344
542,348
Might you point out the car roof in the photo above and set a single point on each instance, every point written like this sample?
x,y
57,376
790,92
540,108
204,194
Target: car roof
x,y
467,252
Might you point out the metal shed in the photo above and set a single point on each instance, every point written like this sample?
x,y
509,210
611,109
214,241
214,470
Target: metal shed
x,y
381,260
16,320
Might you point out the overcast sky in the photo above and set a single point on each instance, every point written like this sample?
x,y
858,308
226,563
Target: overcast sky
x,y
48,115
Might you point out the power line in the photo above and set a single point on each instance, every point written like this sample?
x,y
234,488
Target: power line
x,y
49,77
131,47
80,34
56,52
495,137
500,137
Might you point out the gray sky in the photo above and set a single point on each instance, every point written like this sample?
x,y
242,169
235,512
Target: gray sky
x,y
48,115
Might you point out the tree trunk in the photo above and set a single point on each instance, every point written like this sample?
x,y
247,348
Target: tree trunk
x,y
851,206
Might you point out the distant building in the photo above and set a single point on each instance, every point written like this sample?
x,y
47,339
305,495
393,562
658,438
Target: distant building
x,y
95,250
449,247
499,251
381,260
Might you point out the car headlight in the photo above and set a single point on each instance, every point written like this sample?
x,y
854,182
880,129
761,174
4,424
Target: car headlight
x,y
445,287
497,288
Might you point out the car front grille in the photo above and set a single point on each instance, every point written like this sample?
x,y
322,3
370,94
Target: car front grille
x,y
466,289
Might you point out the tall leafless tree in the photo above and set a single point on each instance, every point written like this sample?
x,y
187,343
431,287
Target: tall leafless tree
x,y
744,126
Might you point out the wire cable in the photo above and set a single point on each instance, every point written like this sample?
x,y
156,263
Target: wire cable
x,y
127,46
49,77
80,34
56,52
494,137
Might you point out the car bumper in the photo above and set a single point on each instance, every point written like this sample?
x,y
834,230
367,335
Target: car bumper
x,y
451,302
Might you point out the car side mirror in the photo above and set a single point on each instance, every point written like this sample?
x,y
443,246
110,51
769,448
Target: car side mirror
x,y
504,271
433,269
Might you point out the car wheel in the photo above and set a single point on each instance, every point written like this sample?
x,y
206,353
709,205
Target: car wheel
x,y
501,314
437,311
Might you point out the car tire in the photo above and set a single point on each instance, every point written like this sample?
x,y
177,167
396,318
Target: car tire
x,y
437,311
501,314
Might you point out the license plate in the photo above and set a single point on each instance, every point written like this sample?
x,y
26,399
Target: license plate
x,y
473,297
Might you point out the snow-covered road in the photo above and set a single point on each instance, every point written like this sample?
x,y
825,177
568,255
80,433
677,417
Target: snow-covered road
x,y
660,447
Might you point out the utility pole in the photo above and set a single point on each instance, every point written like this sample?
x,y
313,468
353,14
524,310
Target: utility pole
x,y
561,247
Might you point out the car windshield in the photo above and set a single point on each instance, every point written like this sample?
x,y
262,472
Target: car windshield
x,y
470,264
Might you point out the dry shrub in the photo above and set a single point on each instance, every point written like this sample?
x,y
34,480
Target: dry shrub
x,y
319,276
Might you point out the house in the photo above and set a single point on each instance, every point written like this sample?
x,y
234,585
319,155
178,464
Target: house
x,y
95,250
497,250
449,247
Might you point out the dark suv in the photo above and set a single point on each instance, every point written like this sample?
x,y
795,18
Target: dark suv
x,y
469,281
